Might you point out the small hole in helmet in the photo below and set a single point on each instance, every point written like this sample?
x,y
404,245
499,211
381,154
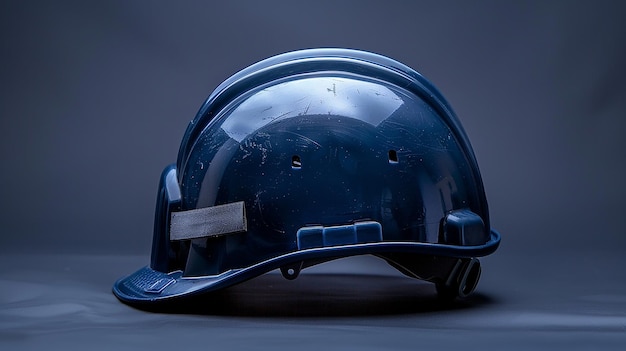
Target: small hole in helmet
x,y
393,156
291,271
295,162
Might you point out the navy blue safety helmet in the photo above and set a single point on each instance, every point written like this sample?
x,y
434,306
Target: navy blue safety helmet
x,y
310,156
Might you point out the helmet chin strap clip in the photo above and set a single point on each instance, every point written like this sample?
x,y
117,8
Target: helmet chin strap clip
x,y
291,272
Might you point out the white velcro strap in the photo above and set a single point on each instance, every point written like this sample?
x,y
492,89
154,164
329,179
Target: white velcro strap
x,y
208,221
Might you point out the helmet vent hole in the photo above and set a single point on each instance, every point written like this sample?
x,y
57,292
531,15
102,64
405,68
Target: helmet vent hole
x,y
393,156
296,163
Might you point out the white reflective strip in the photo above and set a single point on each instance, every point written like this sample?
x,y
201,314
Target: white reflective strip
x,y
208,221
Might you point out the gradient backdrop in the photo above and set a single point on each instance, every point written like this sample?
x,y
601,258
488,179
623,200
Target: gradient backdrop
x,y
95,98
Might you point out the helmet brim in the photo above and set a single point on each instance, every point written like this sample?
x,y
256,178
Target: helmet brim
x,y
148,286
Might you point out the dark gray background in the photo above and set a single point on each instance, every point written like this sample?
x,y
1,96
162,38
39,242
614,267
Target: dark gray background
x,y
95,98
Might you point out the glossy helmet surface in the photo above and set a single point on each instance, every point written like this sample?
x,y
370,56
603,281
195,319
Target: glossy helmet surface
x,y
310,156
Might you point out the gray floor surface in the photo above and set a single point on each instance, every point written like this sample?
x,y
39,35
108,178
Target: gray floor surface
x,y
524,302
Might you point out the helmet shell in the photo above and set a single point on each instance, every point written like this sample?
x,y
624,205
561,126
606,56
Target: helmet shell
x,y
318,154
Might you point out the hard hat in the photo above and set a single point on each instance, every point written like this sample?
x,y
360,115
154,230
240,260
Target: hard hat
x,y
311,156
